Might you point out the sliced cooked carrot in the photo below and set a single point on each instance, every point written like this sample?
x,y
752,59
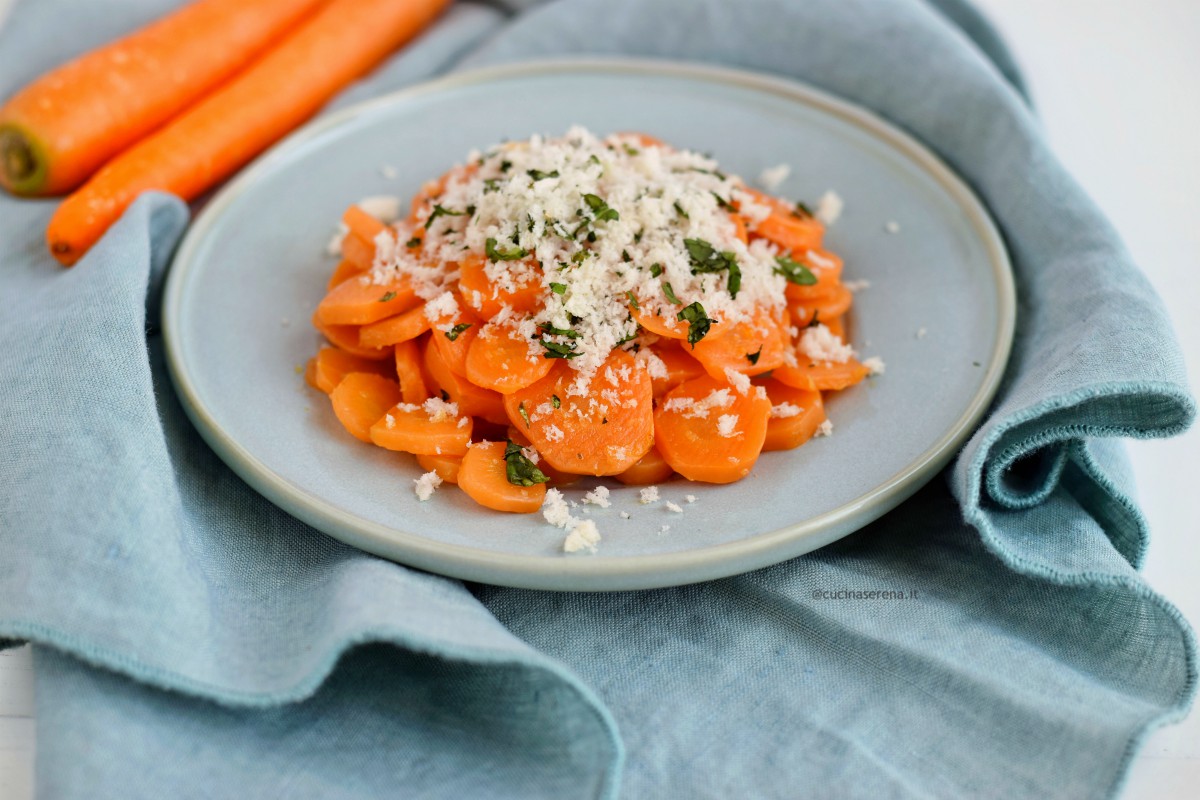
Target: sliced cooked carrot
x,y
602,433
557,476
345,337
446,467
207,142
708,431
795,415
837,326
473,400
825,266
332,364
821,375
487,298
344,271
358,251
484,477
751,347
393,330
500,359
362,224
681,366
413,388
833,303
310,373
422,431
644,139
739,226
453,335
360,301
786,227
59,129
650,468
361,400
663,320
431,191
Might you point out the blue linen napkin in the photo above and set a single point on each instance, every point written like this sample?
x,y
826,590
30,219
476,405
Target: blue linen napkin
x,y
194,641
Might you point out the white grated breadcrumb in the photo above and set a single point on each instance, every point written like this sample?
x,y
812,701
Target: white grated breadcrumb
x,y
857,286
426,485
785,411
383,207
829,208
821,344
892,227
727,425
674,507
875,365
584,536
771,178
648,495
691,498
825,429
598,497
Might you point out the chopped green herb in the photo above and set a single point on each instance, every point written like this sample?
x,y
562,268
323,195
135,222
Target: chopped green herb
x,y
802,211
630,150
637,237
556,350
679,210
524,414
538,175
812,323
625,256
592,159
753,357
457,330
697,320
633,300
503,253
734,282
604,421
554,401
553,331
723,203
441,211
558,288
387,296
580,256
491,185
413,242
655,270
670,293
794,271
519,470
445,395
600,209
505,165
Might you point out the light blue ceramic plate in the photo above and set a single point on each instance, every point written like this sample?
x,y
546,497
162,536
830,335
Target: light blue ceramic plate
x,y
939,311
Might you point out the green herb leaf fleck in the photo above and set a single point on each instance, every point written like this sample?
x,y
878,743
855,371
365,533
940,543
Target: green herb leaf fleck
x,y
670,293
538,175
794,271
519,470
556,350
554,401
655,270
558,288
679,210
553,331
441,211
524,414
697,320
753,357
504,253
457,330
387,296
633,300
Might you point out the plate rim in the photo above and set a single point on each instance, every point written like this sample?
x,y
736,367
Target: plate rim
x,y
599,572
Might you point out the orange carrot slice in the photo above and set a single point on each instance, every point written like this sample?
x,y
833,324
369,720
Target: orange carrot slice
x,y
825,266
344,271
483,476
681,366
786,227
213,138
361,400
362,224
452,336
821,375
663,320
360,301
59,129
751,347
358,251
345,337
833,303
413,388
649,469
795,415
446,467
500,359
708,431
393,330
602,433
310,373
487,299
422,430
473,400
332,364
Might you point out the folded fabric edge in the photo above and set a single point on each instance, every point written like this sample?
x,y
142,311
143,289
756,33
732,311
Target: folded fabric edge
x,y
96,655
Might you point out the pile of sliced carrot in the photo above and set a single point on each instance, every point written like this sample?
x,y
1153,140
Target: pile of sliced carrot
x,y
463,395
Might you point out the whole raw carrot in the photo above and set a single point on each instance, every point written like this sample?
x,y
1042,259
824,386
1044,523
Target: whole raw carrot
x,y
206,143
61,128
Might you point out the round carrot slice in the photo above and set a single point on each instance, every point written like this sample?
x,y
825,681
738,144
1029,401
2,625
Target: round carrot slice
x,y
708,431
484,477
445,466
649,469
434,428
502,360
795,415
751,347
523,292
361,400
332,364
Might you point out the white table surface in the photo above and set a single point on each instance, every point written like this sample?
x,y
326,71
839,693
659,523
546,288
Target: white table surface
x,y
1117,84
